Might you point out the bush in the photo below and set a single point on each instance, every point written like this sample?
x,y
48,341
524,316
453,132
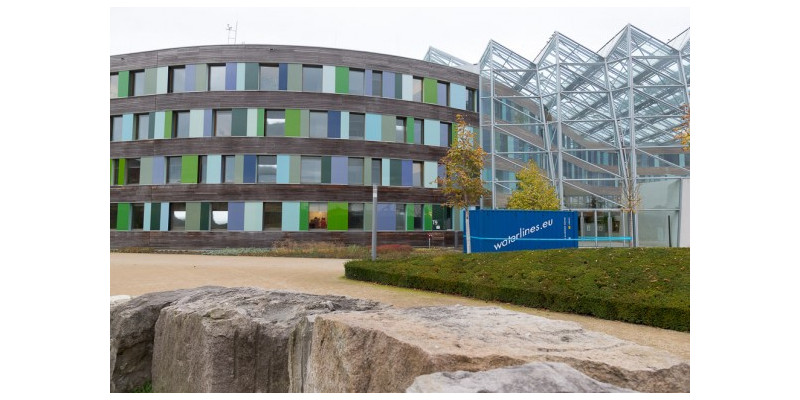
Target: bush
x,y
644,286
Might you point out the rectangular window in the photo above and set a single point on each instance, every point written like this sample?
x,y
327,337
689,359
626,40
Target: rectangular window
x,y
444,134
272,217
418,208
137,216
268,77
203,169
115,172
355,216
276,123
142,126
416,90
177,216
318,124
310,169
132,171
355,171
116,128
356,82
267,169
177,79
317,216
114,208
173,169
418,131
222,122
416,173
400,130
228,169
312,78
219,217
216,77
357,126
137,83
400,217
470,106
114,86
377,83
180,124
442,94
376,171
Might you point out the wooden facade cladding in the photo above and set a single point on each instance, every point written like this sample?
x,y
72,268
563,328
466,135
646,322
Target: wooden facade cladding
x,y
284,100
273,54
271,192
276,145
224,239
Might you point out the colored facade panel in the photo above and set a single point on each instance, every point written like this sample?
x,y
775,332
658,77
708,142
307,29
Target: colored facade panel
x,y
368,171
239,122
429,173
251,122
303,216
290,216
123,83
294,169
292,128
387,219
385,168
189,169
155,216
372,127
342,80
158,125
196,122
238,168
325,170
191,76
368,216
151,128
159,170
328,79
407,168
127,127
147,215
431,130
230,76
208,126
249,173
241,69
162,79
427,217
388,84
458,96
251,76
334,124
205,215
408,87
236,216
396,174
167,133
338,171
121,172
150,79
409,217
337,216
164,223
283,76
283,169
146,171
429,91
398,86
387,128
201,77
344,130
124,216
304,120
259,122
214,166
295,78
253,216
368,82
193,214
409,130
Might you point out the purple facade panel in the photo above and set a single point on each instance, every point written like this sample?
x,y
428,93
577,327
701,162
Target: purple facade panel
x,y
159,174
388,84
230,76
407,171
386,216
236,216
339,170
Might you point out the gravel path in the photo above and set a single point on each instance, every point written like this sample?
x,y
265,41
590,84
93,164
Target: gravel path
x,y
135,274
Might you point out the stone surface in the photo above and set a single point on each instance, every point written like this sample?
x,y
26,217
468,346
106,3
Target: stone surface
x,y
132,332
240,340
121,298
540,377
383,351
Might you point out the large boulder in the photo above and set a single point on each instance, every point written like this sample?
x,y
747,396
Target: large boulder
x,y
540,377
240,340
132,332
383,351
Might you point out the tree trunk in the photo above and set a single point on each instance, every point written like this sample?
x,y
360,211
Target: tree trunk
x,y
469,242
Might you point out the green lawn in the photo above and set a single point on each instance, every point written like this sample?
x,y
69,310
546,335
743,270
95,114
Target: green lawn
x,y
647,286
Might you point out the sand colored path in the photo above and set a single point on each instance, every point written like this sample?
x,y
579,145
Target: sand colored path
x,y
135,274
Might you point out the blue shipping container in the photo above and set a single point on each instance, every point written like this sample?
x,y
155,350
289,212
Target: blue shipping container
x,y
512,230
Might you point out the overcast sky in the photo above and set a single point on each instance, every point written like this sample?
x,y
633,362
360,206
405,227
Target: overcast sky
x,y
406,32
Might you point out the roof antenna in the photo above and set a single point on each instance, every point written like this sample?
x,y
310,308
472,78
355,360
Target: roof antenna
x,y
232,32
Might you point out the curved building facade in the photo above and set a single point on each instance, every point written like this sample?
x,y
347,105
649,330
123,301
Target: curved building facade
x,y
246,145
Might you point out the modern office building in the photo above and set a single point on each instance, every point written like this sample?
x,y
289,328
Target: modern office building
x,y
245,145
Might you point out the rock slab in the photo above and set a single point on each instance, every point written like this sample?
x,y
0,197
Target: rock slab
x,y
240,340
384,351
540,377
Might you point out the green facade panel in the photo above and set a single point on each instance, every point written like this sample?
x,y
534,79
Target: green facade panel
x,y
253,216
123,83
304,120
304,216
337,216
409,130
201,77
294,169
150,79
239,122
162,80
112,173
205,216
260,122
396,172
368,171
427,215
167,125
155,216
189,168
146,171
342,80
292,127
121,171
409,217
295,78
429,91
387,128
124,216
398,86
368,216
238,168
192,216
326,169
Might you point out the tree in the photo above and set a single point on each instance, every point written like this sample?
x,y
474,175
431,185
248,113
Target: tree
x,y
682,130
631,199
462,185
534,191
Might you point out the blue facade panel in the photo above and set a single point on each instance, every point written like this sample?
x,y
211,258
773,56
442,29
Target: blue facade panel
x,y
249,169
230,76
283,76
512,230
334,124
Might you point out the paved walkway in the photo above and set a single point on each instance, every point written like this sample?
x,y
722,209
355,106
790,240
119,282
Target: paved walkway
x,y
135,274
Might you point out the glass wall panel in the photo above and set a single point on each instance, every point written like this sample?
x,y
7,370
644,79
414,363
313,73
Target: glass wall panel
x,y
267,169
418,131
114,86
312,78
417,174
219,216
318,124
355,216
177,216
356,130
400,130
376,171
310,169
272,216
377,83
355,171
142,126
442,93
276,123
445,138
216,77
173,169
268,77
137,216
400,217
137,83
418,219
356,82
132,173
177,79
317,216
180,124
223,121
416,92
116,128
114,216
228,169
203,169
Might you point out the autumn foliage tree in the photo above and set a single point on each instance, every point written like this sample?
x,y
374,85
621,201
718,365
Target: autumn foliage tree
x,y
462,185
682,130
534,191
